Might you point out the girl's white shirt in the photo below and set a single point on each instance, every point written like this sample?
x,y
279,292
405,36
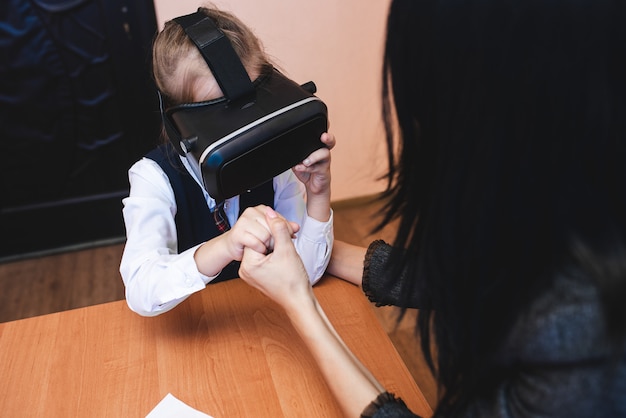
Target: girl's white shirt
x,y
156,277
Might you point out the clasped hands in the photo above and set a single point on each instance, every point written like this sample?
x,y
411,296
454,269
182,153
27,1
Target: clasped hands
x,y
275,268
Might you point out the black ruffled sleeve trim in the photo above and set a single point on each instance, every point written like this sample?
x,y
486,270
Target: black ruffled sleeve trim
x,y
371,266
383,286
386,405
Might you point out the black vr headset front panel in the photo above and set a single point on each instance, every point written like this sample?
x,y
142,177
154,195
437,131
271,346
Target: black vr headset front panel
x,y
240,144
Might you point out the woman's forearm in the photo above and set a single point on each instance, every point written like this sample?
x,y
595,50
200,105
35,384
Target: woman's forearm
x,y
349,380
346,262
281,275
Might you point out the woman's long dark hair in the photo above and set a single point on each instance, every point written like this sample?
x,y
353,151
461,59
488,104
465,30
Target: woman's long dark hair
x,y
506,123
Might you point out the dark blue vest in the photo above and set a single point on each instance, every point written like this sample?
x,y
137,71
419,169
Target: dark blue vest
x,y
194,220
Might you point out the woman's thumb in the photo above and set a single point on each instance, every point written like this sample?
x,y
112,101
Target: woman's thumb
x,y
280,228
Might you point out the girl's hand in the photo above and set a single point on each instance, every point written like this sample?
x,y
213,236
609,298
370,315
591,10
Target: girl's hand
x,y
314,170
280,275
252,230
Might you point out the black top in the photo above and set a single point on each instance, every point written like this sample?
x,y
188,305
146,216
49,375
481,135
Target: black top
x,y
555,362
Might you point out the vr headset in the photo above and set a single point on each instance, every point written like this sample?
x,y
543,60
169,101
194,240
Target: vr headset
x,y
256,131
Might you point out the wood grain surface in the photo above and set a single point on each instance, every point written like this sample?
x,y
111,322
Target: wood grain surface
x,y
227,351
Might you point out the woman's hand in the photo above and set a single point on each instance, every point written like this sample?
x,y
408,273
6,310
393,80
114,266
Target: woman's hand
x,y
250,231
280,275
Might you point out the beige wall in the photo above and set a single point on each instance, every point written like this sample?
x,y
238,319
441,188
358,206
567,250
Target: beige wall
x,y
338,45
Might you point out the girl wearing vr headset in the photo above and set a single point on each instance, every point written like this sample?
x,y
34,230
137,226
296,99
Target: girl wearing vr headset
x,y
173,246
506,130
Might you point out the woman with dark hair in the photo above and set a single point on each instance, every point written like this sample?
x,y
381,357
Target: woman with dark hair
x,y
506,134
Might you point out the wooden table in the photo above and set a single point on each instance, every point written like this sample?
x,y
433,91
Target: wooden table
x,y
227,351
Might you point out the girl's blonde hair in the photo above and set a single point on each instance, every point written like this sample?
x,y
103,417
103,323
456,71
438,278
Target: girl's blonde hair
x,y
172,46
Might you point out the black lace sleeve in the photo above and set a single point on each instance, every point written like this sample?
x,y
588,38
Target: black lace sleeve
x,y
386,405
382,288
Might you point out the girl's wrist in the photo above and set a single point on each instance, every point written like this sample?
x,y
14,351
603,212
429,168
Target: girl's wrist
x,y
318,207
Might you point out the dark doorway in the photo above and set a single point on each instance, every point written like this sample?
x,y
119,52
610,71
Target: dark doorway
x,y
77,108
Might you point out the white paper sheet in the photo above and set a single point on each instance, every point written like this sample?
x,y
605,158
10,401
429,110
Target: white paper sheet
x,y
172,407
